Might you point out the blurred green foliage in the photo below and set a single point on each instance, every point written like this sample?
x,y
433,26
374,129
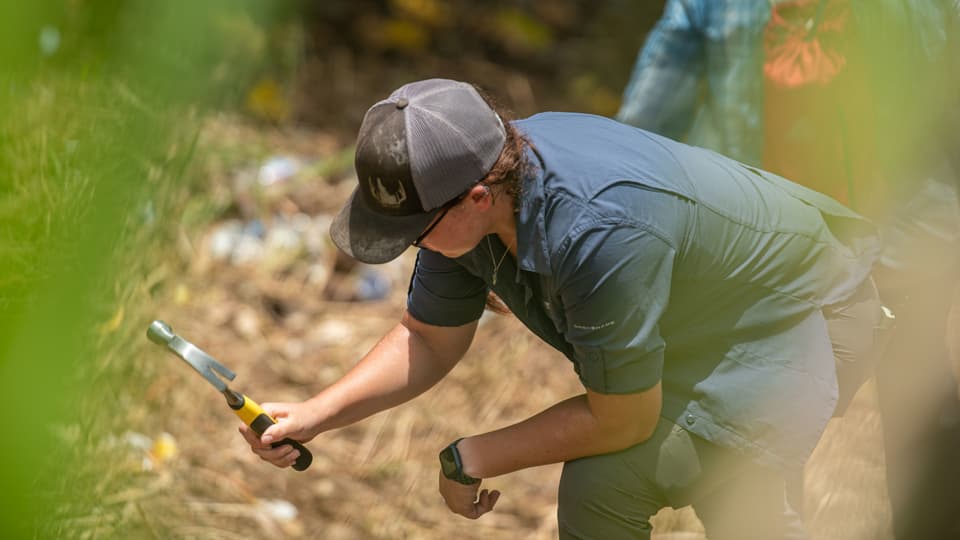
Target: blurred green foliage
x,y
101,103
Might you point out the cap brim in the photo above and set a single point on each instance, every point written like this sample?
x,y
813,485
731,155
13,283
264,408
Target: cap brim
x,y
374,238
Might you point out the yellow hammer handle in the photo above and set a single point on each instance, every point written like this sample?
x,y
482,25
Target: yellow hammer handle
x,y
254,416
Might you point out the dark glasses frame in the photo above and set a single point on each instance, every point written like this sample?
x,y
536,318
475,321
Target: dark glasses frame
x,y
446,208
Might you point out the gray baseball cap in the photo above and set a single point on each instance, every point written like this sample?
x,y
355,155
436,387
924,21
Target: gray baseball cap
x,y
417,150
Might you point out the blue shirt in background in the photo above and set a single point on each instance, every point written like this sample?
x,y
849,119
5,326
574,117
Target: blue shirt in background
x,y
643,259
699,76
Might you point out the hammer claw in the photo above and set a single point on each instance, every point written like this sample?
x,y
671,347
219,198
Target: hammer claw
x,y
247,409
160,332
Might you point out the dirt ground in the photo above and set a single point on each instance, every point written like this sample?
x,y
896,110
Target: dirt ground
x,y
289,328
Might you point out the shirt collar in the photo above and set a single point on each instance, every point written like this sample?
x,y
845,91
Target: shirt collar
x,y
531,227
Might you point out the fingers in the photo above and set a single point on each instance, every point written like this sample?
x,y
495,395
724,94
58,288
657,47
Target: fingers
x,y
248,435
486,501
293,421
276,410
282,456
464,500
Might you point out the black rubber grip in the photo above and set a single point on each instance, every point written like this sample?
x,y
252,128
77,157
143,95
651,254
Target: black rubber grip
x,y
263,421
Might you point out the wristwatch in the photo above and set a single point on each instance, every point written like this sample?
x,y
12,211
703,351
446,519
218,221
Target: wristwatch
x,y
452,466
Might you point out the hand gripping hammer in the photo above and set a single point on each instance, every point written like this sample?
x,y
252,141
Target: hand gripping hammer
x,y
247,409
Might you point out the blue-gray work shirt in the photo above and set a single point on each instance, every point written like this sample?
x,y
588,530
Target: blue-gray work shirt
x,y
643,259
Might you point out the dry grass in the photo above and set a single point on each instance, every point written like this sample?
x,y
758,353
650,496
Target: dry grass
x,y
845,483
372,480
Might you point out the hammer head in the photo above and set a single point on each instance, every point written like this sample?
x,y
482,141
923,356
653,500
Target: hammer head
x,y
160,333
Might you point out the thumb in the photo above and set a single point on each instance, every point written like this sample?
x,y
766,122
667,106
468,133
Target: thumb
x,y
278,430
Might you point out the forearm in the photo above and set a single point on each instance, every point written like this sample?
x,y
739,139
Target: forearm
x,y
568,430
400,367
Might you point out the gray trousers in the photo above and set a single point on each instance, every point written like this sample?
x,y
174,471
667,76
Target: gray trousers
x,y
613,496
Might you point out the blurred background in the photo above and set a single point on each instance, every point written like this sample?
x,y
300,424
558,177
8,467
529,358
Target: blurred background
x,y
181,161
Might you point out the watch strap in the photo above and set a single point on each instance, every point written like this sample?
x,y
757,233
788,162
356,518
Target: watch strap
x,y
457,475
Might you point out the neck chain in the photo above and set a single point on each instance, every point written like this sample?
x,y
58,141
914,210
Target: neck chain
x,y
496,265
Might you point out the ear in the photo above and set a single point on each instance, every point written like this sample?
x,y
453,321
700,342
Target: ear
x,y
481,195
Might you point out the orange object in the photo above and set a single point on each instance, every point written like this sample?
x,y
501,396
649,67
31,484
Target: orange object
x,y
800,42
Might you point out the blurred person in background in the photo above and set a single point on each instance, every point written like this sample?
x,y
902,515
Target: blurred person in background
x,y
858,100
699,300
698,78
875,131
910,50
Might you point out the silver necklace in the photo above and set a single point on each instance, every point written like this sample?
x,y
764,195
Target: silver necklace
x,y
496,265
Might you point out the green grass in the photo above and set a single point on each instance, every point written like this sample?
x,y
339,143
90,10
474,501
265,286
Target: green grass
x,y
97,165
76,241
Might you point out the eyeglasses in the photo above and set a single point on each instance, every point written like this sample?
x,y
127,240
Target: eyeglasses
x,y
443,212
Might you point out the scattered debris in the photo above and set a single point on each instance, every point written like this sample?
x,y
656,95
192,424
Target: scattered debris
x,y
278,169
164,449
155,452
278,509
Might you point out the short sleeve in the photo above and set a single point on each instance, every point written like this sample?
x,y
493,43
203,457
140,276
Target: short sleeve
x,y
615,286
444,293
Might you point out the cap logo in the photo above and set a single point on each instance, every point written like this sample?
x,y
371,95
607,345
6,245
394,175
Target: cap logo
x,y
386,197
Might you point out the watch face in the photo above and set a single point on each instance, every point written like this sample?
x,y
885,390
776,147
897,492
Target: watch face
x,y
448,463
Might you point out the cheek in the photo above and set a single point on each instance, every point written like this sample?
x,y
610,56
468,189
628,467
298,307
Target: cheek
x,y
454,238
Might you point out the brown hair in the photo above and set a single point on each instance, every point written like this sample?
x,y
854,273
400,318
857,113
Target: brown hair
x,y
508,173
512,166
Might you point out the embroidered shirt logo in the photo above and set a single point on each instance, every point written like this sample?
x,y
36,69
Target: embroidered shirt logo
x,y
384,196
594,327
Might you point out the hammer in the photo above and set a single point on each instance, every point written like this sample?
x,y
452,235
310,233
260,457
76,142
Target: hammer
x,y
247,409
